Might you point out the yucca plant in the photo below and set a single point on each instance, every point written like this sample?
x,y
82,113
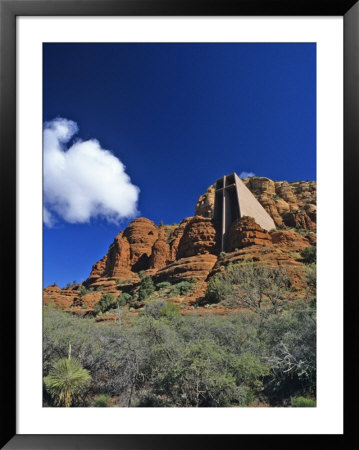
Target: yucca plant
x,y
66,380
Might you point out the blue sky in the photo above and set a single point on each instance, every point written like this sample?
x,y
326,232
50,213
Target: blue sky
x,y
177,116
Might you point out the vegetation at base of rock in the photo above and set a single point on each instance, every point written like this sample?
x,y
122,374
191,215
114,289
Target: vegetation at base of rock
x,y
146,287
251,285
303,402
65,381
160,308
309,255
163,285
106,302
161,358
182,288
123,299
83,290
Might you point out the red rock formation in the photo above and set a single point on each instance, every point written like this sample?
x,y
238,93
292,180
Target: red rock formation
x,y
59,298
97,271
141,235
199,237
118,259
197,267
290,240
160,254
299,219
204,206
130,252
177,236
245,232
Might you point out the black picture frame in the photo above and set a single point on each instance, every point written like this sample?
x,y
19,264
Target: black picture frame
x,y
9,10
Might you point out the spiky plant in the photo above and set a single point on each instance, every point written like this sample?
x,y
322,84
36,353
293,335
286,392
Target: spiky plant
x,y
65,381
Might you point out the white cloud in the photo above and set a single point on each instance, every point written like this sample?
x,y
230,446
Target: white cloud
x,y
246,174
82,180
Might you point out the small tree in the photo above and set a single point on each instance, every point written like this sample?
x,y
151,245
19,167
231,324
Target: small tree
x,y
83,290
309,254
182,288
146,288
169,311
105,303
163,285
123,299
218,289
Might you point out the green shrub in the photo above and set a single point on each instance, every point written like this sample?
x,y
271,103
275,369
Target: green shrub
x,y
182,288
83,290
163,285
123,299
218,289
153,309
169,310
191,360
105,303
303,402
309,254
252,285
101,401
311,276
146,287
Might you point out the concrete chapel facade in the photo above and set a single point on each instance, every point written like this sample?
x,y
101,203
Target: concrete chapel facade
x,y
232,201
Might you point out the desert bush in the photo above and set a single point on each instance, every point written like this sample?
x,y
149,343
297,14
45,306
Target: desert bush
x,y
161,358
252,285
311,278
146,288
163,285
153,309
182,288
123,299
83,290
106,302
169,310
303,402
218,289
309,254
101,401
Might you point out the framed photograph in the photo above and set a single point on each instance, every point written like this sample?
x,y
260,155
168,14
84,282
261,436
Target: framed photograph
x,y
174,195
